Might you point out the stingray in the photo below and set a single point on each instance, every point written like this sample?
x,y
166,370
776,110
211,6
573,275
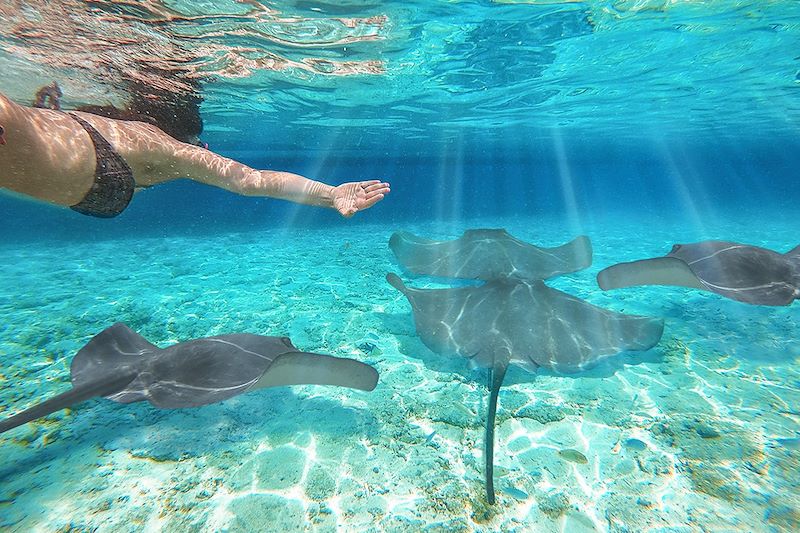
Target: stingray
x,y
523,322
123,366
745,273
488,254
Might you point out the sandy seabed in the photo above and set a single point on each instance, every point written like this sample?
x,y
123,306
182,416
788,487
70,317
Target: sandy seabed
x,y
698,434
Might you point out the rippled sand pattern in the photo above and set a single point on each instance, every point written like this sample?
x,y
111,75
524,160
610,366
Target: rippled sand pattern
x,y
688,436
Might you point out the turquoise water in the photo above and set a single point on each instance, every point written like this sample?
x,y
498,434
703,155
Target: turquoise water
x,y
710,403
638,123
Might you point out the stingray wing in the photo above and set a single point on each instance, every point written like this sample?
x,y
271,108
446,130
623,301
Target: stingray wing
x,y
488,254
103,367
527,322
657,271
111,351
574,335
303,368
454,321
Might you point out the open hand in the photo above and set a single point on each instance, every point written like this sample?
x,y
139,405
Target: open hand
x,y
349,198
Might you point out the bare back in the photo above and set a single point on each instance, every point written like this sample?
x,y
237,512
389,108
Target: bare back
x,y
50,156
45,154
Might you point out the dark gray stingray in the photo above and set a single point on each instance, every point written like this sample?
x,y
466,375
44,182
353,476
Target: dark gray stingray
x,y
745,273
525,322
488,254
121,365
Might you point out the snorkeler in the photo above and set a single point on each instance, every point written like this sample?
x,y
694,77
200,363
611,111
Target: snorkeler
x,y
93,164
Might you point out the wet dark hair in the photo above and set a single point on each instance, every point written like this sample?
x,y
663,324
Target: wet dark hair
x,y
180,119
48,97
176,114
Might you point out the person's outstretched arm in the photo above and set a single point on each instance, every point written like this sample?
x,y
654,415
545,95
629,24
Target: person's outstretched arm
x,y
180,160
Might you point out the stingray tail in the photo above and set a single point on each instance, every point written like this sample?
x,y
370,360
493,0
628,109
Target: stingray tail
x,y
496,376
71,397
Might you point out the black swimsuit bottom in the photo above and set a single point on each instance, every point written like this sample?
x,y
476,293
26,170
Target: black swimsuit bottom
x,y
113,185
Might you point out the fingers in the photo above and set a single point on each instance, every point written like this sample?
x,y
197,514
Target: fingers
x,y
375,187
372,200
374,193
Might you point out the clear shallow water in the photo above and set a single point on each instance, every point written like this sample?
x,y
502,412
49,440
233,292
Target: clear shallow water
x,y
706,406
640,123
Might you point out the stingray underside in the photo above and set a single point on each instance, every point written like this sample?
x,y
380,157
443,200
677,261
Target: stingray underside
x,y
522,322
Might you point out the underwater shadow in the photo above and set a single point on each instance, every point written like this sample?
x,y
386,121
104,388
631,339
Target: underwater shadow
x,y
180,434
749,332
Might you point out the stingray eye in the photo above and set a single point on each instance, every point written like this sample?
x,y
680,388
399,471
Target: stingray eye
x,y
287,342
2,130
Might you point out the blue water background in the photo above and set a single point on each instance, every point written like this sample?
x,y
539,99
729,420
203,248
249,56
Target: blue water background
x,y
640,123
478,108
583,183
